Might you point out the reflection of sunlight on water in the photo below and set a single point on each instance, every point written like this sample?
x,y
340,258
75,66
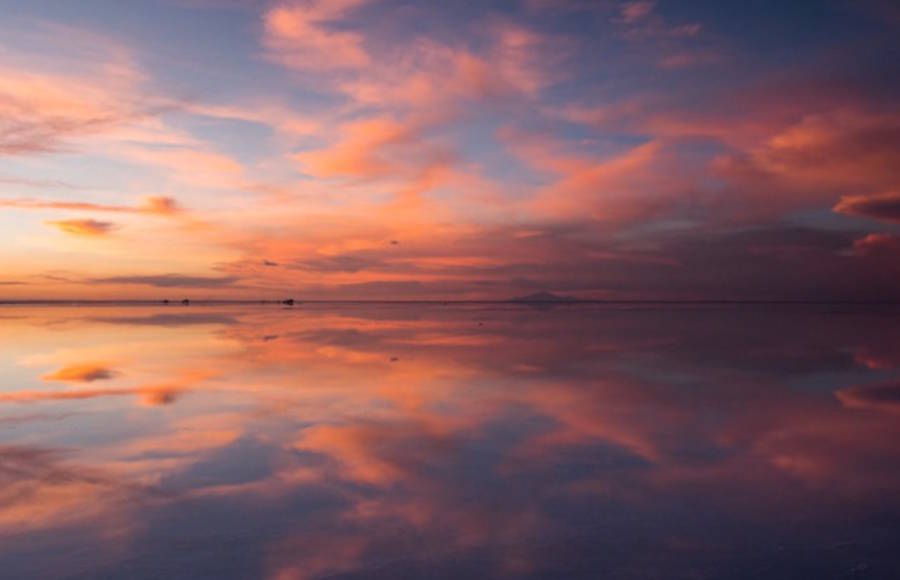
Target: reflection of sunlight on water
x,y
241,441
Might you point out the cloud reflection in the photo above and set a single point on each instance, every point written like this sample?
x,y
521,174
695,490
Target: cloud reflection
x,y
496,441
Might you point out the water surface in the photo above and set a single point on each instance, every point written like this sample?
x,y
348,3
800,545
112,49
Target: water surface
x,y
448,441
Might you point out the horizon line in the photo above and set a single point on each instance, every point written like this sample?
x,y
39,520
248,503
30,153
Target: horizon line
x,y
568,301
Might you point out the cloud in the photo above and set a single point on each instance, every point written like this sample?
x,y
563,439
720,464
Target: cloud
x,y
631,12
159,205
836,149
93,88
340,263
168,281
148,396
192,165
39,396
38,112
278,117
640,20
690,58
383,151
884,207
86,228
82,373
153,205
91,98
435,79
878,245
154,397
637,183
363,149
300,36
881,396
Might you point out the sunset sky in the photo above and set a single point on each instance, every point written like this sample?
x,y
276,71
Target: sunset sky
x,y
355,149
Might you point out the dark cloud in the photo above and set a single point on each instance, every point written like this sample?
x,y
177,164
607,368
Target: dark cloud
x,y
169,281
883,396
339,263
878,245
384,289
884,207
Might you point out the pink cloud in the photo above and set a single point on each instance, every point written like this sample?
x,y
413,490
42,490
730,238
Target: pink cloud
x,y
878,244
884,206
298,36
616,188
632,12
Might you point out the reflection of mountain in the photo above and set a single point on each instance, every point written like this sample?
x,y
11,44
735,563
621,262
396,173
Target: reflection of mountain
x,y
544,297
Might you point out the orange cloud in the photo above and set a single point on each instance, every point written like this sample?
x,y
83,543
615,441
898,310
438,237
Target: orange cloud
x,y
82,373
85,228
155,205
360,152
884,207
877,244
621,187
159,205
384,151
149,395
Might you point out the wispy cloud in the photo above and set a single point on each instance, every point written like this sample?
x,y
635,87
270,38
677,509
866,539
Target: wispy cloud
x,y
84,228
301,36
884,206
168,281
153,205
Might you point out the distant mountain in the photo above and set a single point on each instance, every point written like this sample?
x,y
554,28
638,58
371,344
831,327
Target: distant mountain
x,y
543,297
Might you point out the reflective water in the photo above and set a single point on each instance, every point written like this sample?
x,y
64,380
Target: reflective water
x,y
449,441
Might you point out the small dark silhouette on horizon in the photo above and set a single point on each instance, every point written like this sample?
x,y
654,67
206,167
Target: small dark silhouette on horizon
x,y
544,297
288,302
185,301
166,301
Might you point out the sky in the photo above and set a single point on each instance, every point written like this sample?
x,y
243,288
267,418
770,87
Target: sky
x,y
368,149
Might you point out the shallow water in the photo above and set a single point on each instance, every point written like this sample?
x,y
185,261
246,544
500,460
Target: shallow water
x,y
448,441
